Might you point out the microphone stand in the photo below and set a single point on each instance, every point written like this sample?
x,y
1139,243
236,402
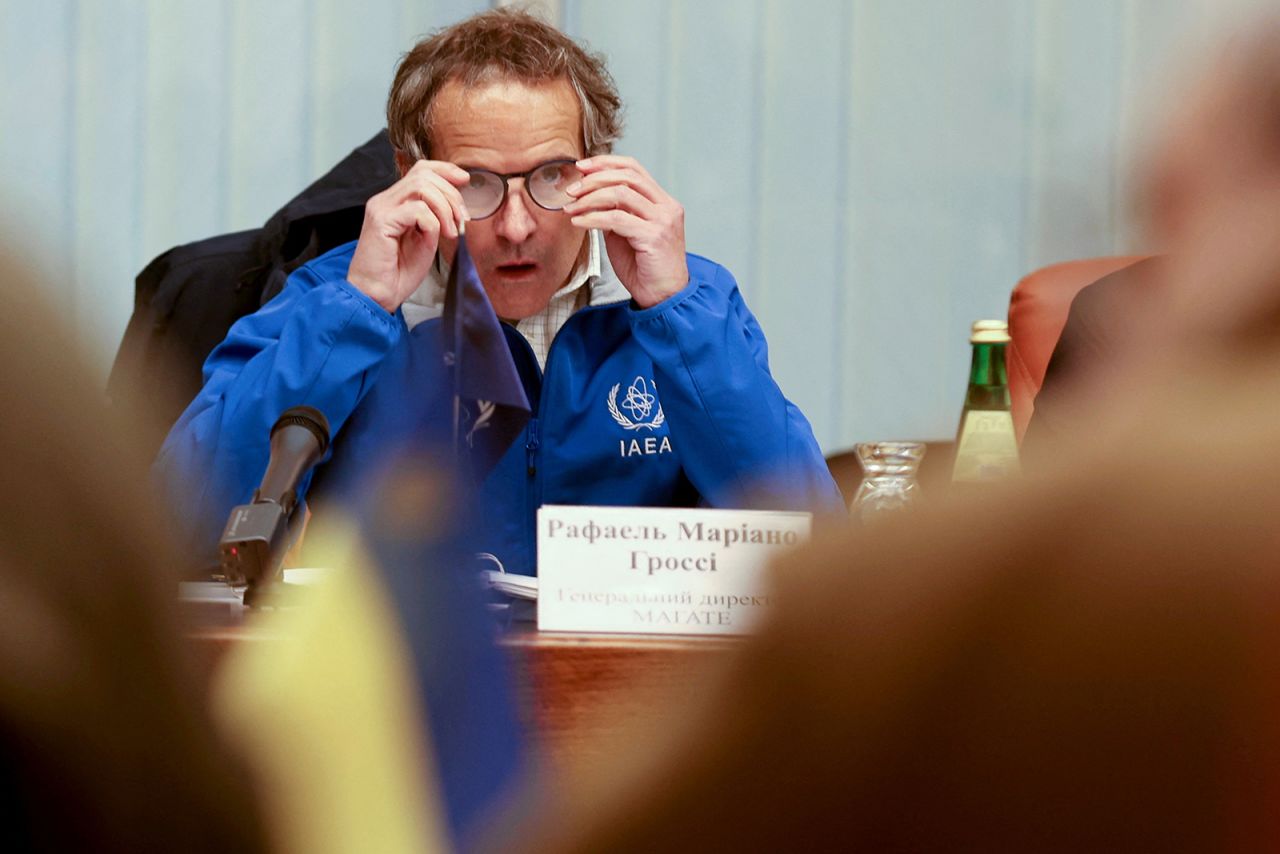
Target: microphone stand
x,y
258,534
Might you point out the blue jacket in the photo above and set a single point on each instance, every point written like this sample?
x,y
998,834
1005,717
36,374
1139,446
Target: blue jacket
x,y
666,406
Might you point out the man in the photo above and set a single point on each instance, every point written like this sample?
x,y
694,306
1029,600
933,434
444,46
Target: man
x,y
657,389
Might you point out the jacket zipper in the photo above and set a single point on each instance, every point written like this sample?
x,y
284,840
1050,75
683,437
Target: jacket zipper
x,y
531,447
533,443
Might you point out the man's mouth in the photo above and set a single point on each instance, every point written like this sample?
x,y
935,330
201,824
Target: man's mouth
x,y
517,269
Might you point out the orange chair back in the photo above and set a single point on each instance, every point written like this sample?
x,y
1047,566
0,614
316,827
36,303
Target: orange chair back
x,y
1037,312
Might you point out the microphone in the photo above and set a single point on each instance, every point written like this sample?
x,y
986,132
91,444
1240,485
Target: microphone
x,y
257,535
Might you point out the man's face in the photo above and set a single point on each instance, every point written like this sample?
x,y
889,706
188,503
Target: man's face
x,y
523,253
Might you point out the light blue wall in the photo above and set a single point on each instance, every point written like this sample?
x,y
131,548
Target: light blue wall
x,y
877,173
130,126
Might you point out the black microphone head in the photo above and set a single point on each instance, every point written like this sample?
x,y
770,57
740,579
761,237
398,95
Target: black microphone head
x,y
256,536
305,416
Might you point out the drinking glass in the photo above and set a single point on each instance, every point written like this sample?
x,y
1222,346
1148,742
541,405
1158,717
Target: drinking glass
x,y
888,479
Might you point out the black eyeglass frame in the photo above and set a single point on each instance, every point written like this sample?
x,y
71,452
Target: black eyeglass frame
x,y
505,177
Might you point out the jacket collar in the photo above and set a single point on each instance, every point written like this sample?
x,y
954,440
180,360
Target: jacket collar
x,y
427,301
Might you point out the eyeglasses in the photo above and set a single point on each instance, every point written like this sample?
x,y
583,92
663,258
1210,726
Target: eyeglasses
x,y
545,184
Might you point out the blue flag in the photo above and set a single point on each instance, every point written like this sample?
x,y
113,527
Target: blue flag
x,y
416,523
489,402
411,475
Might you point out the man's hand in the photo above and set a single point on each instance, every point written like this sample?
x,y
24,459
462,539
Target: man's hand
x,y
402,229
643,226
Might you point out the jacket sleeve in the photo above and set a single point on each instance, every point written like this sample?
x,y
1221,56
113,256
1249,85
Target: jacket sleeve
x,y
741,442
319,343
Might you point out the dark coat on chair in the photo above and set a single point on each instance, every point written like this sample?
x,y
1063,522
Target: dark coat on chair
x,y
186,299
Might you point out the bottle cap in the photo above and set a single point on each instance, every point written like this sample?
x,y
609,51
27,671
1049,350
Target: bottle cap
x,y
989,332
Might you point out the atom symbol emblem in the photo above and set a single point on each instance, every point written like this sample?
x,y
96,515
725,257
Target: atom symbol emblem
x,y
639,401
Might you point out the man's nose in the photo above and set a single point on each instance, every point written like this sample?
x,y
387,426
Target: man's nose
x,y
515,222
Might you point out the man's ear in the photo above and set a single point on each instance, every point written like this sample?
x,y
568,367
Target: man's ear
x,y
403,162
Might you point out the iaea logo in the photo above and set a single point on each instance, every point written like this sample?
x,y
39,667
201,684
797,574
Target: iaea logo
x,y
639,402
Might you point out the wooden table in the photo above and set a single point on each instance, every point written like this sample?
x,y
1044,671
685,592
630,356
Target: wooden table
x,y
579,692
582,692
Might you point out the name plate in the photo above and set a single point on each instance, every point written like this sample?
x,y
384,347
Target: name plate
x,y
658,570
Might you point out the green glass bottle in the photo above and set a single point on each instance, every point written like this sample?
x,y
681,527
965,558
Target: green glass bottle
x,y
986,445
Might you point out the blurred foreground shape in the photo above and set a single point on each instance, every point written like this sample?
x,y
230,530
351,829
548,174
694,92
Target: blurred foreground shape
x,y
106,738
